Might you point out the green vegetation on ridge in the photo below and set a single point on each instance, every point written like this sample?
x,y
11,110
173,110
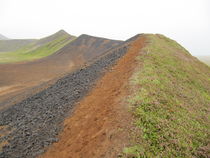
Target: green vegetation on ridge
x,y
170,100
39,49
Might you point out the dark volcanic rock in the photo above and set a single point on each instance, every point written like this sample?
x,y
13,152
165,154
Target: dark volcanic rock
x,y
36,121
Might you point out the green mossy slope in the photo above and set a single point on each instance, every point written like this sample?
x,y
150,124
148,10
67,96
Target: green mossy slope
x,y
38,49
170,100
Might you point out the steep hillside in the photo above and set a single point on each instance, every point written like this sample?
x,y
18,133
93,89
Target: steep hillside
x,y
2,37
85,48
17,77
170,98
37,49
205,59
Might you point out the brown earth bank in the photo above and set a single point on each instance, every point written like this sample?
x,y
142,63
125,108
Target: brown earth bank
x,y
19,80
100,124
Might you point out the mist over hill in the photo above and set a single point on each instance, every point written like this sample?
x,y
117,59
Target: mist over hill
x,y
205,59
2,37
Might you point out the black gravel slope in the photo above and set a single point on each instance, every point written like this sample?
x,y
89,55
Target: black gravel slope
x,y
36,121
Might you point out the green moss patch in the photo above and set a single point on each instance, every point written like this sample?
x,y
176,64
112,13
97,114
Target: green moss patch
x,y
171,105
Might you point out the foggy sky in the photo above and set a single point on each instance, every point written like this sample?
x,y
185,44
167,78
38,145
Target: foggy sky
x,y
186,21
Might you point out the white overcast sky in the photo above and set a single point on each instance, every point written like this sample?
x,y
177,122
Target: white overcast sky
x,y
187,21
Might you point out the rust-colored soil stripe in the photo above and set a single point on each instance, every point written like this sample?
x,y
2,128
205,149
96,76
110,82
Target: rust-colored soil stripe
x,y
99,125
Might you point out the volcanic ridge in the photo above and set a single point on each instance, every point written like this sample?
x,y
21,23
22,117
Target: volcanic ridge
x,y
91,97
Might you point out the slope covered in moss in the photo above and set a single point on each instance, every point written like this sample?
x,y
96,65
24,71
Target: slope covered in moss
x,y
38,49
170,99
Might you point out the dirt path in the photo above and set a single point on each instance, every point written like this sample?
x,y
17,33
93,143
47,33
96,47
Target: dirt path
x,y
99,126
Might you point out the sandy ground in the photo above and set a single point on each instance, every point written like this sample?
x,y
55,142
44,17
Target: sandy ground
x,y
101,123
17,81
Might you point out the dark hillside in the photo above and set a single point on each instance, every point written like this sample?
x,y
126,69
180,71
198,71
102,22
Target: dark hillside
x,y
88,47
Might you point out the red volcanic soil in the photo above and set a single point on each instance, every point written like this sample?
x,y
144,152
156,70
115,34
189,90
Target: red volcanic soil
x,y
18,80
99,126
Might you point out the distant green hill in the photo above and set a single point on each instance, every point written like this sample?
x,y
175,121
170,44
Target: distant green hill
x,y
14,44
205,59
170,97
25,50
